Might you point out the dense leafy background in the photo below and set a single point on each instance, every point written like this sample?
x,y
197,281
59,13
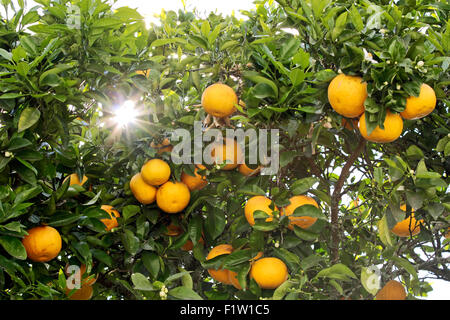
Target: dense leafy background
x,y
59,87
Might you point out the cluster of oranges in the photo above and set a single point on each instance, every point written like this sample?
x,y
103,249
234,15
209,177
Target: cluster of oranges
x,y
347,94
263,203
268,272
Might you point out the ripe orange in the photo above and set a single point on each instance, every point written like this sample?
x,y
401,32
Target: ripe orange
x,y
75,180
173,230
143,192
298,201
421,106
155,172
269,273
84,293
246,171
447,234
347,94
407,227
145,73
393,127
393,290
258,203
88,280
112,222
228,152
232,278
194,183
189,245
219,100
162,147
173,197
42,243
220,275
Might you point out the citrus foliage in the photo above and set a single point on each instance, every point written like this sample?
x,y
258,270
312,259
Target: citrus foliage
x,y
60,85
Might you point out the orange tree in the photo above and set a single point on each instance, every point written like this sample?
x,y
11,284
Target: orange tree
x,y
316,229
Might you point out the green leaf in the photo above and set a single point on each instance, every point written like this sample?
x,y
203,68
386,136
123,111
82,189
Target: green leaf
x,y
338,271
5,54
14,247
309,210
305,234
130,211
18,143
301,186
414,152
252,190
151,263
161,42
356,19
435,210
281,291
93,200
28,194
257,78
297,76
140,282
130,242
339,27
184,293
383,231
63,218
405,264
195,228
289,48
215,222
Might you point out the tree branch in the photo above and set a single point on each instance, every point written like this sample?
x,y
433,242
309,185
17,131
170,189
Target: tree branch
x,y
336,198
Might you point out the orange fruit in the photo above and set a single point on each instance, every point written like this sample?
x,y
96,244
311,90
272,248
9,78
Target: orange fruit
x,y
347,94
393,127
349,124
220,275
228,152
155,172
447,234
143,192
75,180
232,278
298,201
145,73
259,255
88,280
194,183
42,243
258,203
189,245
112,222
269,273
246,171
173,230
173,197
84,293
407,227
162,147
393,290
219,100
421,106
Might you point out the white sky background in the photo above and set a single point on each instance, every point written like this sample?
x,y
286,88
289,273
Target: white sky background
x,y
148,9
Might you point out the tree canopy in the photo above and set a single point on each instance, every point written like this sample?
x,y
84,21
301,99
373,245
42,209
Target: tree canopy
x,y
66,67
